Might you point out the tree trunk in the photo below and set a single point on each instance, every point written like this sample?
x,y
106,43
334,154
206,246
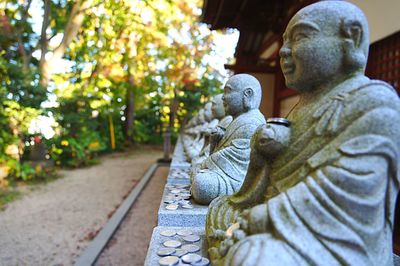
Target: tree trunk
x,y
72,27
129,111
43,63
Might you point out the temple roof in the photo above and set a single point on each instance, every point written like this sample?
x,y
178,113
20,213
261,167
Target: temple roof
x,y
253,15
260,22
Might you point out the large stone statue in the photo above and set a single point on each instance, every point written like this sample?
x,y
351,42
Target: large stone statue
x,y
222,173
325,194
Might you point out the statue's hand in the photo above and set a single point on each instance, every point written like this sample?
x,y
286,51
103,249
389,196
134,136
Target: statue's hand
x,y
218,234
232,235
254,220
217,134
270,139
239,235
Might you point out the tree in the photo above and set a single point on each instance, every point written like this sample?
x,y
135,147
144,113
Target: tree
x,y
132,51
132,69
52,12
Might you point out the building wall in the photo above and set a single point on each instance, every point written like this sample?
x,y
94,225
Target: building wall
x,y
267,82
383,17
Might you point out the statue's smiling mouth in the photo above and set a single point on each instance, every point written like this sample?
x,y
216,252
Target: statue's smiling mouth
x,y
287,68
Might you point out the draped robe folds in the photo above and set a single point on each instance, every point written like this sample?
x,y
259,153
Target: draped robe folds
x,y
222,173
331,195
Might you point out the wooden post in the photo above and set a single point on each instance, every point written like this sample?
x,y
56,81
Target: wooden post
x,y
112,133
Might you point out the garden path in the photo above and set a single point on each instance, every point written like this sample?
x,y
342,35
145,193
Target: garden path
x,y
53,224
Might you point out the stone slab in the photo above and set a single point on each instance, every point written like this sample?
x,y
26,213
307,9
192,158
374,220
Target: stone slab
x,y
156,242
181,217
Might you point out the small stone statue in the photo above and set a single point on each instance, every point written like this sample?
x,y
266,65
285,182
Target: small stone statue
x,y
325,194
222,173
218,123
193,140
217,133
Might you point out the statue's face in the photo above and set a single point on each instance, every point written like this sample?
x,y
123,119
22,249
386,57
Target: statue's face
x,y
311,54
207,112
233,100
218,107
200,117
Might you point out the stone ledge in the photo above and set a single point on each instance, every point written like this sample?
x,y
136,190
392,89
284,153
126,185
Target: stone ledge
x,y
181,217
156,242
178,176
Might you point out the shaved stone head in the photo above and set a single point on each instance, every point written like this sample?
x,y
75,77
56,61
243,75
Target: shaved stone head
x,y
337,17
249,86
324,43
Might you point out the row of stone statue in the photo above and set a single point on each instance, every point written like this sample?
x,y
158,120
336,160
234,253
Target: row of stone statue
x,y
316,188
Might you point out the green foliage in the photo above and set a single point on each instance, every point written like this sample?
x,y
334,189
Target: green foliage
x,y
20,171
76,151
135,69
28,171
148,126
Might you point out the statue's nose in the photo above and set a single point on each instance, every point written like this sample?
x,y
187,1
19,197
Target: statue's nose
x,y
284,51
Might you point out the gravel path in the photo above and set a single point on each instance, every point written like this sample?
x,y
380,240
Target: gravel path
x,y
53,224
128,247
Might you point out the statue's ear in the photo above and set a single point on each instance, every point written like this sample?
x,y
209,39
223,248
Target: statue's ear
x,y
248,96
353,31
248,92
353,34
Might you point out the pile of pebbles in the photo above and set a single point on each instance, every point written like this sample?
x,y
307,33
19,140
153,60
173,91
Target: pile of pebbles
x,y
178,196
179,173
179,248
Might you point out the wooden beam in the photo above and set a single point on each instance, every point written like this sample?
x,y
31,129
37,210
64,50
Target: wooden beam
x,y
268,43
239,13
251,68
217,16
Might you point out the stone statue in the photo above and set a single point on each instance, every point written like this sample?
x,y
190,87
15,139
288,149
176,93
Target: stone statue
x,y
218,132
212,134
326,195
222,173
193,140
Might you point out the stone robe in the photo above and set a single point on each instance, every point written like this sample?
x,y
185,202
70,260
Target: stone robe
x,y
222,173
330,196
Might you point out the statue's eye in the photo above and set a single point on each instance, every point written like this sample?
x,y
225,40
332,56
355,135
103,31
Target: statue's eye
x,y
299,36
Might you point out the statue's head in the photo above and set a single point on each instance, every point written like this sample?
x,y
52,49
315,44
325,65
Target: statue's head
x,y
218,106
242,93
324,43
200,117
208,115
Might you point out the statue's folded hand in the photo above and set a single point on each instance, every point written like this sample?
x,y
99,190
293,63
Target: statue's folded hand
x,y
217,133
254,220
